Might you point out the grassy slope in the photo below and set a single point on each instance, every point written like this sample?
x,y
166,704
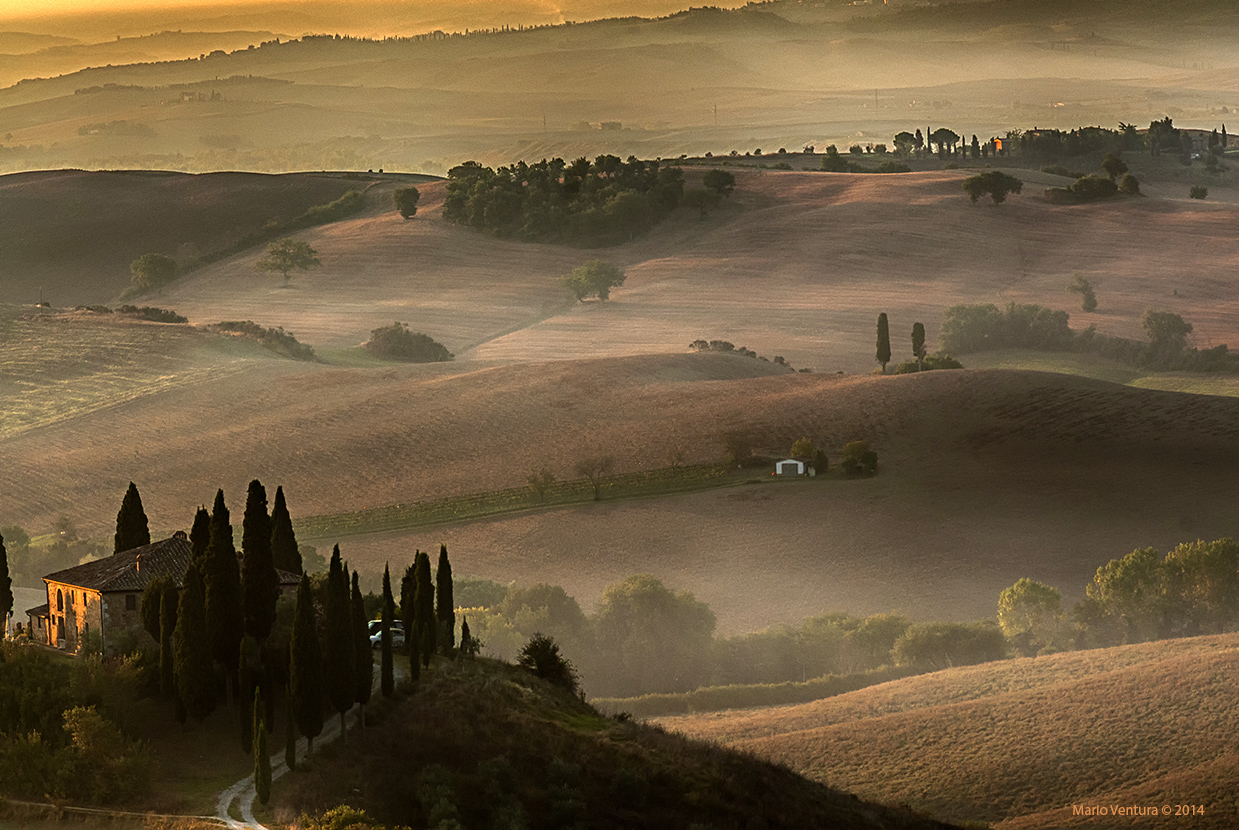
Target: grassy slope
x,y
464,713
1153,723
74,233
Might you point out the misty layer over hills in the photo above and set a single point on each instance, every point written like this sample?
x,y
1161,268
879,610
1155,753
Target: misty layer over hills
x,y
780,74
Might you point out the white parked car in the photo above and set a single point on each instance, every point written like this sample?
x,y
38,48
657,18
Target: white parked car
x,y
376,633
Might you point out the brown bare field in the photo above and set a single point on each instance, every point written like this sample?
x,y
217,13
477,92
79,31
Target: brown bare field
x,y
796,264
986,476
1019,742
73,233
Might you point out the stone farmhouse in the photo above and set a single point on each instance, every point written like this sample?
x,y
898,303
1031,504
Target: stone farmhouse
x,y
102,600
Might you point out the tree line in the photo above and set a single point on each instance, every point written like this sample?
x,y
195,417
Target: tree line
x,y
1143,596
985,327
602,202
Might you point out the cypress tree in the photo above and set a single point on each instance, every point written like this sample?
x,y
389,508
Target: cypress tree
x,y
306,668
338,659
260,586
284,551
195,679
131,527
225,624
262,761
290,731
445,607
466,641
6,585
152,597
918,344
199,539
415,658
1225,140
408,602
884,341
168,599
363,655
247,668
424,602
387,679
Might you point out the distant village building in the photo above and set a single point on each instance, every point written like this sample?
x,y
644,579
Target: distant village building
x,y
101,600
801,465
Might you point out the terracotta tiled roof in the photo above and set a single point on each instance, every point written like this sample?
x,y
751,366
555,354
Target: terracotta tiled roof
x,y
130,570
43,610
133,570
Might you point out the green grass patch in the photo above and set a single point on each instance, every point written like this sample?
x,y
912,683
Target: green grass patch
x,y
1191,384
481,505
1063,363
746,696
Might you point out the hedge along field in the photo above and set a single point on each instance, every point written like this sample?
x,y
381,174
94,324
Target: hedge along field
x,y
1150,723
481,505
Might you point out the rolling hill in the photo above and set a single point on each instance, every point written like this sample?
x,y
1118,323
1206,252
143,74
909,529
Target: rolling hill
x,y
1020,742
764,76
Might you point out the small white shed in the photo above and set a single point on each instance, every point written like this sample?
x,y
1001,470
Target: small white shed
x,y
798,466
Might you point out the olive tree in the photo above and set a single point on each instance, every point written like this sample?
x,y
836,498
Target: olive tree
x,y
287,254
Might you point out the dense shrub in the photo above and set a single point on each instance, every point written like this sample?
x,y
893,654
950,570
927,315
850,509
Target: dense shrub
x,y
892,167
974,328
1198,191
931,362
275,339
155,315
541,657
933,646
586,203
396,342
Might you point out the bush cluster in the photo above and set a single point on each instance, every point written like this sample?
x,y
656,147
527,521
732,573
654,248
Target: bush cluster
x,y
396,342
602,202
275,339
155,315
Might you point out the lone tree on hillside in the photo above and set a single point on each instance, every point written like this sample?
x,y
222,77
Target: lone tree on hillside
x,y
406,199
1114,166
595,469
132,530
150,272
1030,615
918,344
884,341
719,182
284,255
540,480
995,183
1081,286
595,278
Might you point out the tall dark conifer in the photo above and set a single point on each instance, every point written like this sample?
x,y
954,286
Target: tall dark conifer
x,y
408,604
884,341
306,668
195,678
387,679
445,606
363,655
6,585
262,760
199,539
132,530
283,541
259,584
918,343
426,627
338,662
168,598
290,730
225,623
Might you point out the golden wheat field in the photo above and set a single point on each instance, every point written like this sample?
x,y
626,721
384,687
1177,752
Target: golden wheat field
x,y
1019,742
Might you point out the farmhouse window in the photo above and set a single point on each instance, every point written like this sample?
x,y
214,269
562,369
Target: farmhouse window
x,y
60,601
131,602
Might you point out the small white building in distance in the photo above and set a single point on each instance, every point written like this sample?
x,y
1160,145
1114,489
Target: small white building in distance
x,y
801,465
